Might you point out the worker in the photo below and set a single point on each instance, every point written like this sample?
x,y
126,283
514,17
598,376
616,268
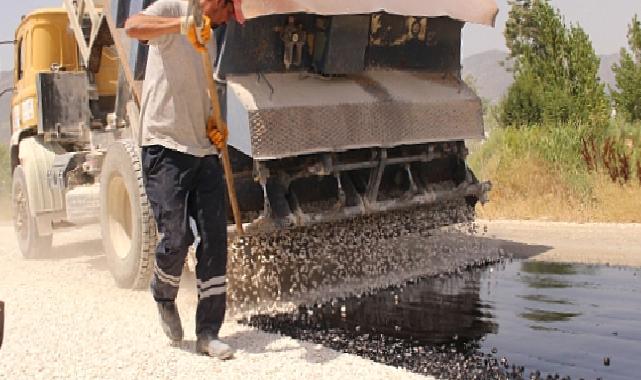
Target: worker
x,y
182,173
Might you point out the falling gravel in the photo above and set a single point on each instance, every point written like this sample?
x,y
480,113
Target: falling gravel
x,y
355,256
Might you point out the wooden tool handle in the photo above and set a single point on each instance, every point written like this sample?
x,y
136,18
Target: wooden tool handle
x,y
224,152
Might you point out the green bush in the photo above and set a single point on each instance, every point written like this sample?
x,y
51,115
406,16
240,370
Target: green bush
x,y
562,147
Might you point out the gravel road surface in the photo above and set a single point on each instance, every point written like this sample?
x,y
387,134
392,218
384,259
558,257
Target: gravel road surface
x,y
66,319
594,243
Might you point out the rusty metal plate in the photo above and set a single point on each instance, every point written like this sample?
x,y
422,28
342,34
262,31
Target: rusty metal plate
x,y
379,109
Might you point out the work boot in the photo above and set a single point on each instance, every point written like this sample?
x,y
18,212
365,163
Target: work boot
x,y
208,344
170,320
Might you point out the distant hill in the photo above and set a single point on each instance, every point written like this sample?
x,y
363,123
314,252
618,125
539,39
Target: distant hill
x,y
6,81
493,79
606,73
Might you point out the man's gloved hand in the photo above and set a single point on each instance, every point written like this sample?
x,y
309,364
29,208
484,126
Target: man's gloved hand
x,y
188,29
216,136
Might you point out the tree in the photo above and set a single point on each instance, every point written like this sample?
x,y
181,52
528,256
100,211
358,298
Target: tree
x,y
628,75
555,69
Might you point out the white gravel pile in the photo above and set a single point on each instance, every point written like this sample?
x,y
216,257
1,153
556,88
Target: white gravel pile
x,y
65,318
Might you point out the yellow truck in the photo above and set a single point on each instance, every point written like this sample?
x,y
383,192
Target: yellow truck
x,y
340,115
63,120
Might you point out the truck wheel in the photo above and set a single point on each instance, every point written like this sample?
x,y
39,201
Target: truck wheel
x,y
31,243
127,222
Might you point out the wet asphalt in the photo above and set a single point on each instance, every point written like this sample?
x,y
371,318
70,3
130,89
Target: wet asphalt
x,y
506,320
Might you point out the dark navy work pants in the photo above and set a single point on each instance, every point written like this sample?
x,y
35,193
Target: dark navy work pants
x,y
179,187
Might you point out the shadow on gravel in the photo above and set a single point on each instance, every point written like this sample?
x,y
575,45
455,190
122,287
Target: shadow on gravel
x,y
87,248
521,250
186,345
253,342
98,263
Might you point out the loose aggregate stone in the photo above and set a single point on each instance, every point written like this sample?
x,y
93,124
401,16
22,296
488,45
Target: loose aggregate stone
x,y
321,262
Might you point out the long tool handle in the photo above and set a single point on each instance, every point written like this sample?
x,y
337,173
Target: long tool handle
x,y
1,322
222,126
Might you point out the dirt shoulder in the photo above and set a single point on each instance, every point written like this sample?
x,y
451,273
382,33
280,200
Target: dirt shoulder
x,y
592,243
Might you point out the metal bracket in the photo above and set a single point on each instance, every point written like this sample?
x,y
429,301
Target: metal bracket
x,y
410,176
262,173
294,38
342,198
376,177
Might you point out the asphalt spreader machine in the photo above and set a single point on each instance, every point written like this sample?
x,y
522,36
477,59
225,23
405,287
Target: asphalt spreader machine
x,y
347,123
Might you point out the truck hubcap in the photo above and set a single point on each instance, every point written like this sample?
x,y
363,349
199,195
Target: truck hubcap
x,y
20,213
119,214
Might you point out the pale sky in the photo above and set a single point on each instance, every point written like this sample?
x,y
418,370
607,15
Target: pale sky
x,y
605,21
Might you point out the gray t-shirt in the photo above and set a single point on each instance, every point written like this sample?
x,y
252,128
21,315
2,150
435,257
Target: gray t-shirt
x,y
175,104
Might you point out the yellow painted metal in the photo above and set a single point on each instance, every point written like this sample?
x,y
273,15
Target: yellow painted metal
x,y
42,39
107,76
79,10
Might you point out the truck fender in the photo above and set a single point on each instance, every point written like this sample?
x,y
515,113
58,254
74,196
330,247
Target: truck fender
x,y
16,137
36,158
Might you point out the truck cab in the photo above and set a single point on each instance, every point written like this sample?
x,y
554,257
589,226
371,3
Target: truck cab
x,y
43,43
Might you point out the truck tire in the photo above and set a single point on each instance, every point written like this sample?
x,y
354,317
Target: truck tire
x,y
127,222
31,243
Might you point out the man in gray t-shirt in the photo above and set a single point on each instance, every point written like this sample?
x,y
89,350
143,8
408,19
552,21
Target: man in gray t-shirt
x,y
175,105
183,176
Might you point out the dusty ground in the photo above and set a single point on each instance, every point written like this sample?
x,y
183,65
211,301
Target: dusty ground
x,y
594,243
66,319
